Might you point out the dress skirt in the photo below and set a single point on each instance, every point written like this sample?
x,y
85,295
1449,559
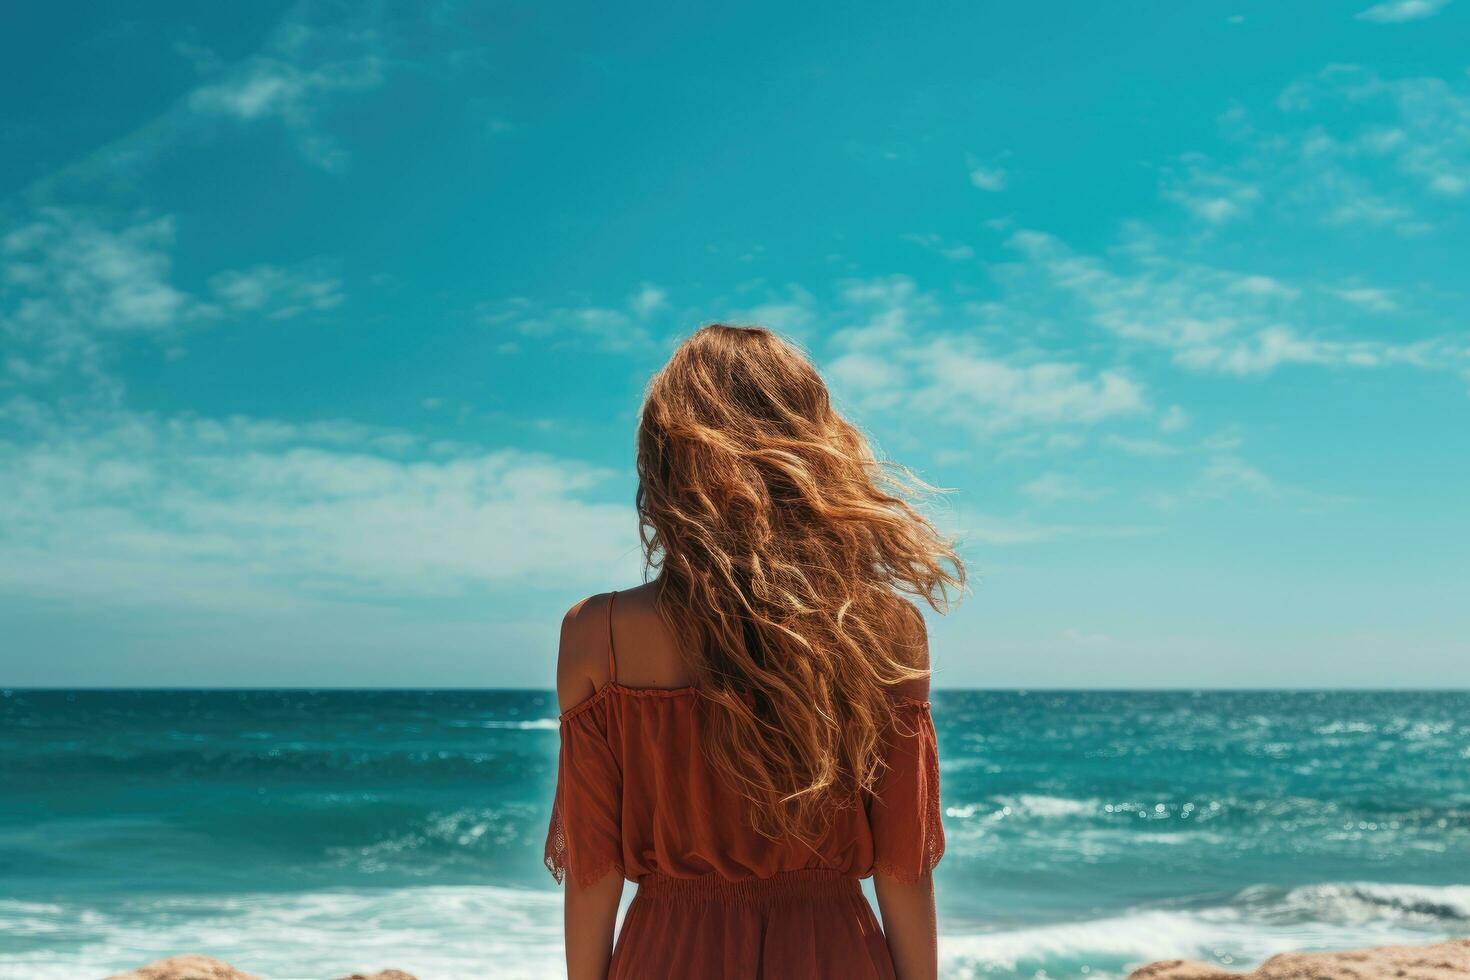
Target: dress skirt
x,y
798,925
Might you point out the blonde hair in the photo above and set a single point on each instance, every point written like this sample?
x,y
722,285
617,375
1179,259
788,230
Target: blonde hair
x,y
784,549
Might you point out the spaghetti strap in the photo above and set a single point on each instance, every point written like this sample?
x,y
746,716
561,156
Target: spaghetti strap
x,y
612,662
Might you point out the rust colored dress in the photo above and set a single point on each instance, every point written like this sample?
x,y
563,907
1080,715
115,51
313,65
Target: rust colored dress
x,y
716,900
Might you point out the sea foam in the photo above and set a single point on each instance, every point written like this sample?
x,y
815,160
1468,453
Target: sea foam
x,y
448,933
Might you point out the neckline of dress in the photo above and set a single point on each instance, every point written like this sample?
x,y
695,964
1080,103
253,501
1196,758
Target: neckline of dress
x,y
672,692
646,692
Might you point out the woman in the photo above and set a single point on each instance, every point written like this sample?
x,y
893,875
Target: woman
x,y
748,735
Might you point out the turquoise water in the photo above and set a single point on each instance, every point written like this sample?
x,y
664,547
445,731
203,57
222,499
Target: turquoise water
x,y
310,834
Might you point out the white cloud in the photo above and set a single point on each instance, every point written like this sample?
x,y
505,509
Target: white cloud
x,y
1229,474
789,319
1211,196
1174,419
1271,347
74,281
891,346
988,178
71,285
960,381
952,377
1398,11
126,508
1354,147
1346,148
1434,130
64,268
955,251
275,292
1223,476
261,89
1210,319
609,327
1348,200
882,312
293,81
881,316
791,311
867,372
1258,285
648,300
1376,300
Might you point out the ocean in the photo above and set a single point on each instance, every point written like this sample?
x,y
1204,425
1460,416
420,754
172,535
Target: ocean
x,y
308,834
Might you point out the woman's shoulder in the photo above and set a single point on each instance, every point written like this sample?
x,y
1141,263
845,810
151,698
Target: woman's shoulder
x,y
582,653
618,637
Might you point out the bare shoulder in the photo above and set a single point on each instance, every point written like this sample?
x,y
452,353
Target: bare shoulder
x,y
648,651
912,649
581,660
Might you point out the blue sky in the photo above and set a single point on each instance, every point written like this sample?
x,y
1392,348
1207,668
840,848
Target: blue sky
x,y
325,327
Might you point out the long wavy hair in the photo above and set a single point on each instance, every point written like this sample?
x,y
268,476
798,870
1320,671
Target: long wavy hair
x,y
784,550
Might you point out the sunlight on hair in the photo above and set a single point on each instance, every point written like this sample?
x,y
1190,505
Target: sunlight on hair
x,y
785,549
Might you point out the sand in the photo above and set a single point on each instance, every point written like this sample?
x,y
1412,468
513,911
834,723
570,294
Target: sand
x,y
207,968
1441,961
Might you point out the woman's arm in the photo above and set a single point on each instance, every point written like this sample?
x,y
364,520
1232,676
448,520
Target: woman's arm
x,y
909,919
591,914
590,911
910,924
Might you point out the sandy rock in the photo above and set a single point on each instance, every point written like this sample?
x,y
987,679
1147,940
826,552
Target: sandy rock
x,y
1182,970
186,968
1441,961
381,975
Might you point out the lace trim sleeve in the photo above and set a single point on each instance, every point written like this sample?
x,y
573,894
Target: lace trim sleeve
x,y
584,837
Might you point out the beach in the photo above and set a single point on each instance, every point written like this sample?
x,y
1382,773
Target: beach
x,y
315,834
1437,961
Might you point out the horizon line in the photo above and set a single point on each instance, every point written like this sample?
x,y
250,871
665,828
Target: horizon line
x,y
1020,689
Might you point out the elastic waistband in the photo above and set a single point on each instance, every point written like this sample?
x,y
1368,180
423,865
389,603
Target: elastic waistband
x,y
815,883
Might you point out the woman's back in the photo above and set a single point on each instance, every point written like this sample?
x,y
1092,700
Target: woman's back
x,y
637,797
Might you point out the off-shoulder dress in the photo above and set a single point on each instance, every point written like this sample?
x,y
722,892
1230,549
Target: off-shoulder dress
x,y
634,796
